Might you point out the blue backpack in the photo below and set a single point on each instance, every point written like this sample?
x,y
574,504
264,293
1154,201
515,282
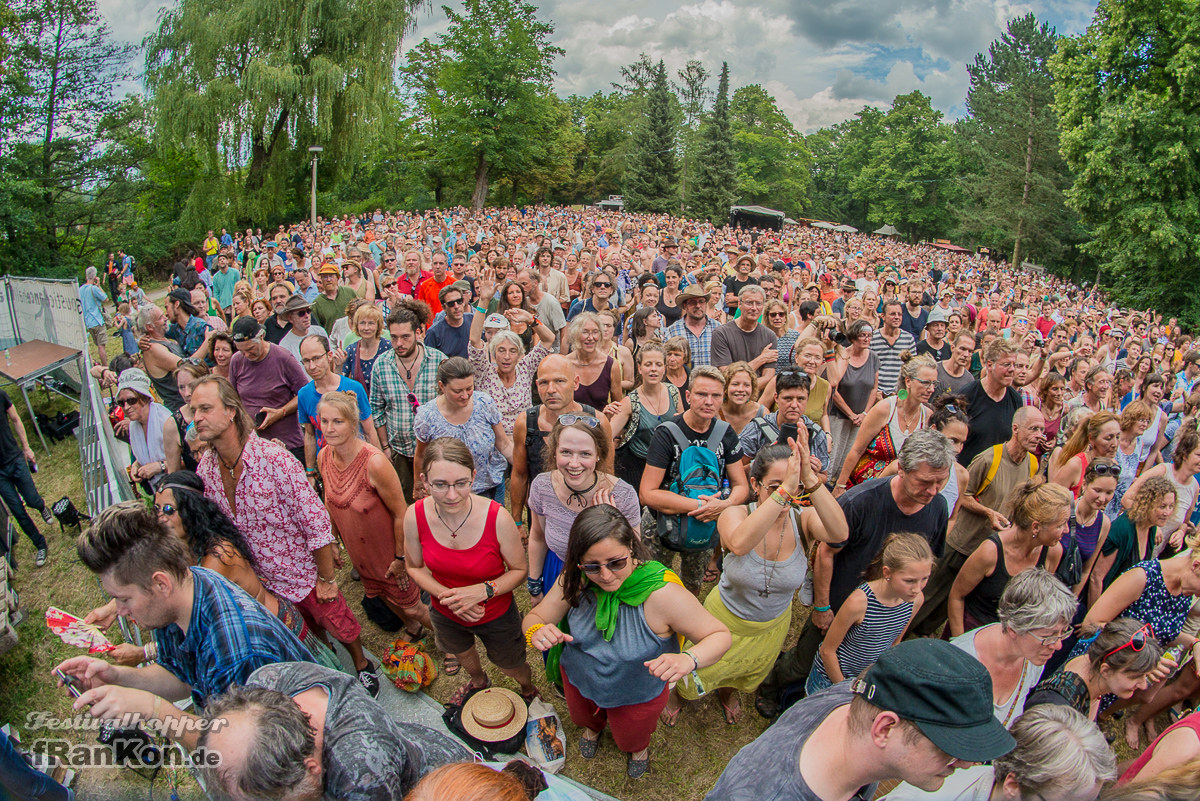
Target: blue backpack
x,y
698,472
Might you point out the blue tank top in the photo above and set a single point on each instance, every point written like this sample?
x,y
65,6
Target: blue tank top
x,y
610,673
865,642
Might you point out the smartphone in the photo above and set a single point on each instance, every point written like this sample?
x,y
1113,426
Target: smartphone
x,y
70,683
260,418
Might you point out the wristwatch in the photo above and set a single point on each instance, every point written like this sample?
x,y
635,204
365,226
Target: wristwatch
x,y
490,588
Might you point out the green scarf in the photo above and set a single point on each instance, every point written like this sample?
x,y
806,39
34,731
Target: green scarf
x,y
644,580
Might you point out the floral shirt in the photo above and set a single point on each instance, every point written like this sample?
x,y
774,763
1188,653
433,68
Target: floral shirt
x,y
477,434
514,400
281,517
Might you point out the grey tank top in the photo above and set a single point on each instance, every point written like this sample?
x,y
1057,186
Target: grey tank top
x,y
610,673
856,385
639,443
757,590
165,386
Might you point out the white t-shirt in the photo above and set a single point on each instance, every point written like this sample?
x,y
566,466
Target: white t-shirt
x,y
966,784
291,342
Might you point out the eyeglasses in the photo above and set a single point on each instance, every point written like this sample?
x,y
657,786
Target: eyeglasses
x,y
1103,469
127,402
572,419
924,383
613,565
457,302
442,486
1137,640
1051,639
166,509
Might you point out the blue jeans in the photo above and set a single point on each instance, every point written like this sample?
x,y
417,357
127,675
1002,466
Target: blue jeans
x,y
20,782
16,483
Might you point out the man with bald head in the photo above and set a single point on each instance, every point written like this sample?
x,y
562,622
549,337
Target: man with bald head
x,y
991,476
556,385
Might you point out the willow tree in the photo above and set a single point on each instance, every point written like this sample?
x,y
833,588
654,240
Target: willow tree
x,y
250,85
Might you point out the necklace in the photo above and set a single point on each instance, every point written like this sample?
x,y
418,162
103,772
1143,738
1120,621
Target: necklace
x,y
409,368
230,468
580,495
453,529
769,575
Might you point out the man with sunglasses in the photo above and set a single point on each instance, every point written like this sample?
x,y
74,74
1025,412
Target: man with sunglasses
x,y
451,331
298,313
992,475
556,381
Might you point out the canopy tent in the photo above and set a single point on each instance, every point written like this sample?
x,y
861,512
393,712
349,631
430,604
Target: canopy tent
x,y
887,230
790,221
756,217
828,226
613,203
949,247
846,229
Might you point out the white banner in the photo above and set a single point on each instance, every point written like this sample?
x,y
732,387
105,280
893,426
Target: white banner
x,y
47,309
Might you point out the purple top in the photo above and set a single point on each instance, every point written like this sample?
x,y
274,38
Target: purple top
x,y
558,518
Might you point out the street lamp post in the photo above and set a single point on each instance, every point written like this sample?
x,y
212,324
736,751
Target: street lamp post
x,y
314,149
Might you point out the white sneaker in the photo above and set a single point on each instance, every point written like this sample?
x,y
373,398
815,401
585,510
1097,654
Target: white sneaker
x,y
40,558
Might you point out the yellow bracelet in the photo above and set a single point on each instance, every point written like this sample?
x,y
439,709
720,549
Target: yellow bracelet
x,y
531,631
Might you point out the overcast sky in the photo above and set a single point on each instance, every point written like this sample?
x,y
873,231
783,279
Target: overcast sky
x,y
822,60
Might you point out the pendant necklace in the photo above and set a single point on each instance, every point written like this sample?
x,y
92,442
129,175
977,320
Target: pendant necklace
x,y
574,494
453,529
765,592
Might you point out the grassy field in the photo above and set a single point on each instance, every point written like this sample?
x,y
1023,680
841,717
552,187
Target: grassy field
x,y
685,760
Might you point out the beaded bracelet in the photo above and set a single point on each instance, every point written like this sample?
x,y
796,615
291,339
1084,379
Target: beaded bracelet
x,y
529,632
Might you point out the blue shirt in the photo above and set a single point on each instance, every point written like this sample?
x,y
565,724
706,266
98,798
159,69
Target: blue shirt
x,y
230,636
91,299
449,340
701,345
308,398
223,285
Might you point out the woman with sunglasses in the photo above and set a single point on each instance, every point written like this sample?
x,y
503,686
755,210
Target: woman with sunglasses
x,y
579,446
1034,617
613,622
889,423
464,550
147,420
1181,472
1038,520
1160,593
776,319
1117,661
473,418
218,545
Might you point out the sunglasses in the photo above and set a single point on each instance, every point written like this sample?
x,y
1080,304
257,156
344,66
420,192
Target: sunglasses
x,y
572,419
777,314
599,285
125,403
613,565
1137,641
389,285
303,312
413,402
450,303
166,509
1113,470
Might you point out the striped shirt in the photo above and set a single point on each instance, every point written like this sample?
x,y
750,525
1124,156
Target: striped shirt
x,y
701,345
889,358
865,642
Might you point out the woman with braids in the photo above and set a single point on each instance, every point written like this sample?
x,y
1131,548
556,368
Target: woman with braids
x,y
1108,666
618,617
217,544
1038,512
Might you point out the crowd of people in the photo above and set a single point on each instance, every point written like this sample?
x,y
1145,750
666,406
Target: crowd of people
x,y
975,485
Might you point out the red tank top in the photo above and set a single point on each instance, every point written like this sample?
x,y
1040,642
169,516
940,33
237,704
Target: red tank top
x,y
462,568
1191,721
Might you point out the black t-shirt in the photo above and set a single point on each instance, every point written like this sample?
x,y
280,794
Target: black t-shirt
x,y
938,354
273,331
662,451
734,285
872,514
670,313
991,421
10,449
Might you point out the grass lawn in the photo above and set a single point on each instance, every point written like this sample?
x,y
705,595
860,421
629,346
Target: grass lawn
x,y
685,760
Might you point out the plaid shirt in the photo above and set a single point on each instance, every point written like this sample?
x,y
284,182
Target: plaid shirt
x,y
701,345
390,404
230,636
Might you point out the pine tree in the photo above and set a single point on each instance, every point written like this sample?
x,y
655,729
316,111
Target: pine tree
x,y
714,187
652,180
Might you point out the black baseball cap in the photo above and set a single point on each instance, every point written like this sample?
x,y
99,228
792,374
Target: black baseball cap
x,y
245,329
943,691
183,298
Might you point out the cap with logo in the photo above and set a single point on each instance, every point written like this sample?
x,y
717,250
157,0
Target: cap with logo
x,y
245,329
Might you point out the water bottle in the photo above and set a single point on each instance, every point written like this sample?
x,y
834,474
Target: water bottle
x,y
7,357
724,489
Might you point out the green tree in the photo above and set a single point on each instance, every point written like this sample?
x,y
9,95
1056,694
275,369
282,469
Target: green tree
x,y
249,85
840,153
55,95
774,166
652,177
484,91
910,176
603,120
1126,92
693,94
1015,198
714,189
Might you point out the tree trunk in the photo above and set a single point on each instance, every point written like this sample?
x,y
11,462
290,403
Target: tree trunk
x,y
51,233
479,196
256,177
1016,258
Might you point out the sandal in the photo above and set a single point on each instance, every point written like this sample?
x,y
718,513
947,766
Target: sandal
x,y
637,767
588,748
767,707
733,711
418,636
451,665
669,718
711,575
460,695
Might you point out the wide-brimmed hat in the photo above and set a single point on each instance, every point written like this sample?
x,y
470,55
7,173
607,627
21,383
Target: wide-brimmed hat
x,y
943,691
494,714
690,292
296,303
136,380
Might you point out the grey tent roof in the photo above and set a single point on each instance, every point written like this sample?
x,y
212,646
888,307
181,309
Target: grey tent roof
x,y
888,230
846,229
789,221
761,210
822,224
